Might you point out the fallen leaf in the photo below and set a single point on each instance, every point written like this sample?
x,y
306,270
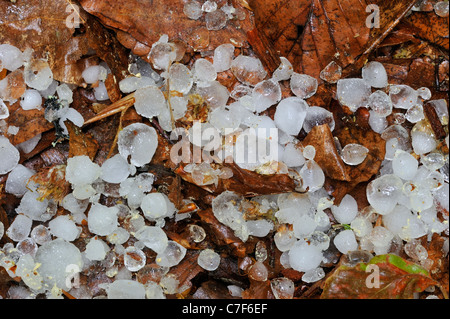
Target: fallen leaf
x,y
146,21
398,278
81,143
43,26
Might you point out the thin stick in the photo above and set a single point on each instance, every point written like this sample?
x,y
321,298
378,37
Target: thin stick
x,y
120,106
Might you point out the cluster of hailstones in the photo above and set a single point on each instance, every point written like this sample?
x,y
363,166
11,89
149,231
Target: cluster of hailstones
x,y
408,193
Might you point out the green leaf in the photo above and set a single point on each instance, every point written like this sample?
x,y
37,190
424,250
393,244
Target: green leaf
x,y
397,278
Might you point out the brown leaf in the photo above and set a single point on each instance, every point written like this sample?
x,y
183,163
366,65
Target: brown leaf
x,y
187,269
30,123
326,153
81,143
42,26
258,290
146,21
221,235
312,33
430,27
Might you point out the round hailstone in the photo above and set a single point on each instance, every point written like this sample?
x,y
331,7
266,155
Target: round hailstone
x,y
134,258
215,94
380,103
72,115
81,170
40,234
139,142
17,180
149,101
65,93
9,156
180,78
156,205
11,58
102,220
96,249
153,237
415,114
354,154
115,169
432,161
345,241
248,70
284,70
284,239
172,255
377,123
30,100
94,73
126,289
316,115
33,207
361,226
204,71
312,175
216,20
441,8
119,236
303,257
193,9
292,156
38,75
259,228
309,152
375,74
19,228
133,83
422,142
353,93
63,227
282,288
209,6
251,151
162,53
346,211
265,94
290,114
208,259
304,226
403,96
224,120
331,73
303,86
404,223
319,239
384,192
58,261
223,56
424,93
404,165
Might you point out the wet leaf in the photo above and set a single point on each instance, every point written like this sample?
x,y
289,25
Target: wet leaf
x,y
81,143
312,33
47,28
143,22
30,123
398,278
327,155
